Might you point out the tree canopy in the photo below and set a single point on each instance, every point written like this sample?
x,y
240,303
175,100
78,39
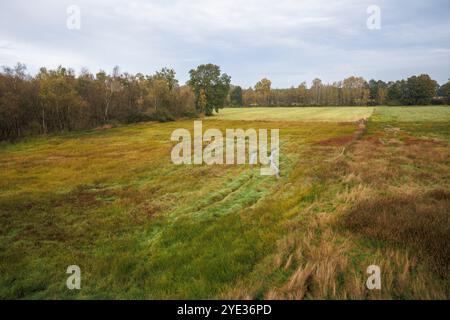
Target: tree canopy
x,y
210,87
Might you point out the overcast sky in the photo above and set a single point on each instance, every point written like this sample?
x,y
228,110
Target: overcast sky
x,y
288,41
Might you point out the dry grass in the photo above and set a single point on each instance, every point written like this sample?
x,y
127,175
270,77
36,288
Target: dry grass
x,y
317,262
419,221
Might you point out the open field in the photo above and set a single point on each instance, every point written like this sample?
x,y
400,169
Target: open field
x,y
320,114
140,227
413,114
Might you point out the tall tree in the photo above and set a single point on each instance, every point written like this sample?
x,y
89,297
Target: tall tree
x,y
420,90
262,89
208,83
249,97
355,91
167,75
396,92
236,96
302,94
316,92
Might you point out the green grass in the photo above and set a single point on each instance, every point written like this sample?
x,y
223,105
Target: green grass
x,y
140,227
413,114
319,114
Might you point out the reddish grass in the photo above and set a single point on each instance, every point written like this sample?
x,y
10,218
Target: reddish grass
x,y
337,141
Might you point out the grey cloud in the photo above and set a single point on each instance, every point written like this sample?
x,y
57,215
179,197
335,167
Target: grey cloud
x,y
288,41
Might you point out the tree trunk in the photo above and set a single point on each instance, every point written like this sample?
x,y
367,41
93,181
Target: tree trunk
x,y
106,110
44,128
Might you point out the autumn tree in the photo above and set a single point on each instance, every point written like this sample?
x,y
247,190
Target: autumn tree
x,y
355,91
316,92
168,76
262,90
302,94
249,97
62,107
12,107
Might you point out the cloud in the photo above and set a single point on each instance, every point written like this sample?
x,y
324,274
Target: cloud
x,y
287,40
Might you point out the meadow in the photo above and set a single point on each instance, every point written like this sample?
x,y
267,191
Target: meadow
x,y
320,114
351,194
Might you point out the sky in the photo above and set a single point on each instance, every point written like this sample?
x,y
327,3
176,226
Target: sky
x,y
287,41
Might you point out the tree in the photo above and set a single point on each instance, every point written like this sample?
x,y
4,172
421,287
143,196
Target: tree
x,y
249,97
236,96
262,89
215,86
163,96
316,92
396,92
61,104
302,94
420,90
382,92
159,92
202,101
445,91
355,91
109,86
168,76
378,92
16,101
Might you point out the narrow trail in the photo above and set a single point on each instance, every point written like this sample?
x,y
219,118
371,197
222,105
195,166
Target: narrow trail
x,y
362,128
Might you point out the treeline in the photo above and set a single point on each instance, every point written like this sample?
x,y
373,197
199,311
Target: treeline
x,y
59,101
353,91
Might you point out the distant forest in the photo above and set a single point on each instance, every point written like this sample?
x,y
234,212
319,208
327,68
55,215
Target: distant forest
x,y
61,101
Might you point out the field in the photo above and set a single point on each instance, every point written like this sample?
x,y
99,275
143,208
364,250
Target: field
x,y
321,114
351,194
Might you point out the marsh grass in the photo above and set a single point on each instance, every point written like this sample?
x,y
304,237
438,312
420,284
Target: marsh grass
x,y
140,227
420,221
385,202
